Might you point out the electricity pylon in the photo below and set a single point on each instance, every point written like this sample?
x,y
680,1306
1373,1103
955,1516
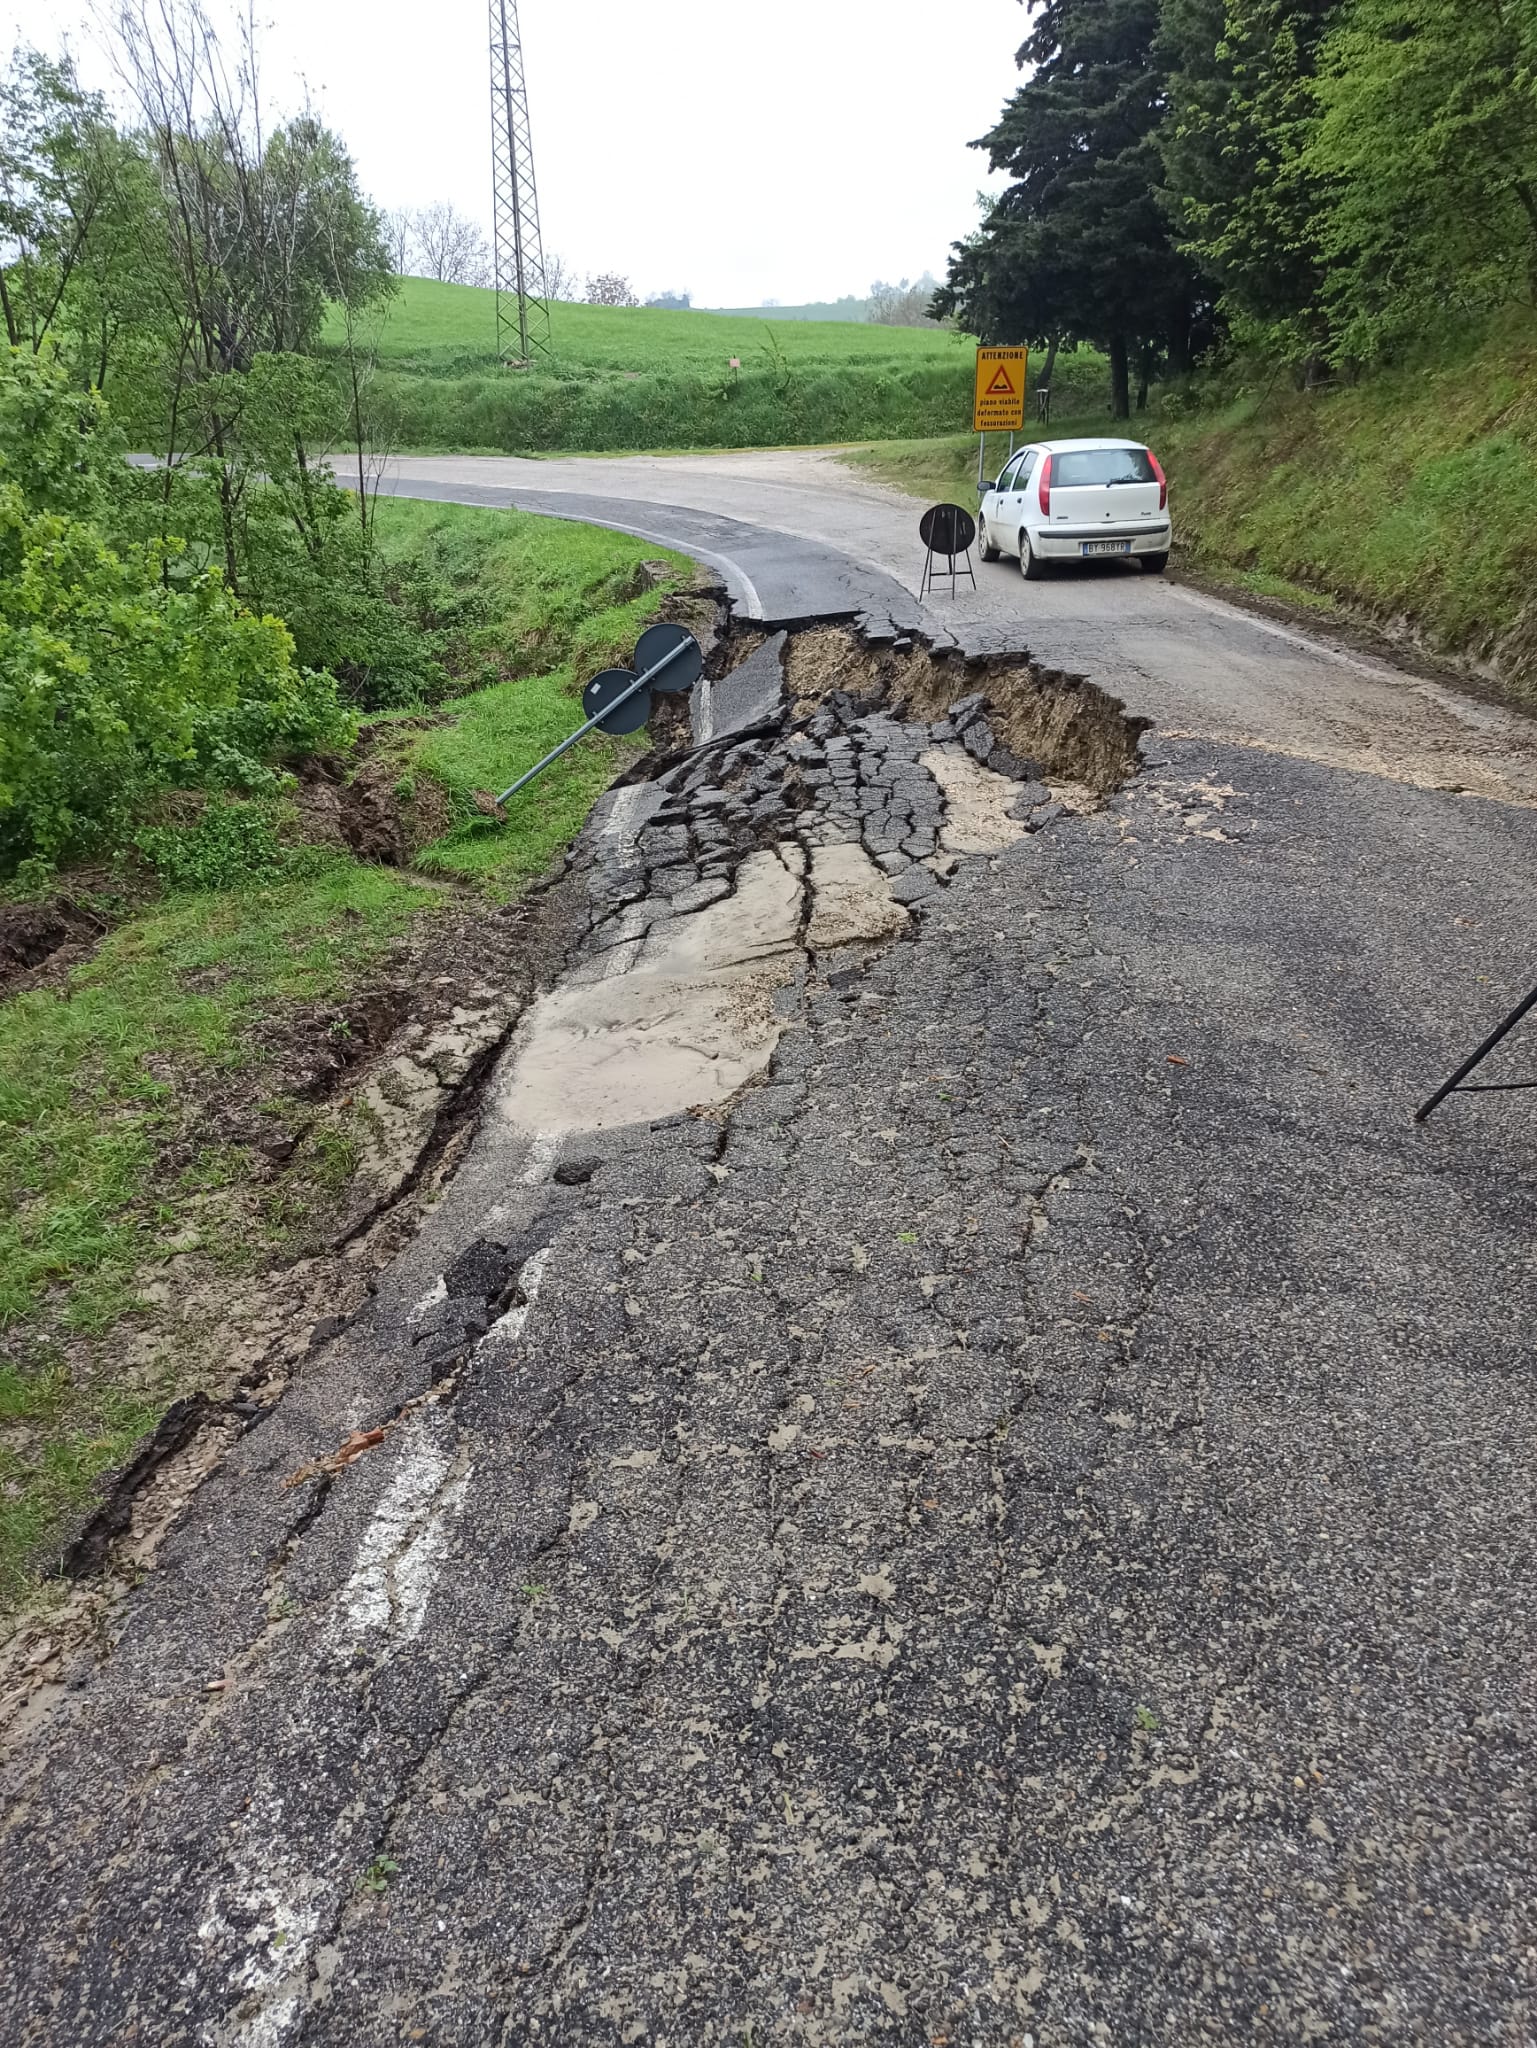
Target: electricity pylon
x,y
522,307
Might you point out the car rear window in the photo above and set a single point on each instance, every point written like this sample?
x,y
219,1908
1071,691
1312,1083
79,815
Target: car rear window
x,y
1103,466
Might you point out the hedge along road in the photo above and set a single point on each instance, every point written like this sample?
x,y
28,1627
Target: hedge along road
x,y
1014,1529
1194,664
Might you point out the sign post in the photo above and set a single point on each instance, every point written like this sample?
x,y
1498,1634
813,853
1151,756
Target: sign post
x,y
998,400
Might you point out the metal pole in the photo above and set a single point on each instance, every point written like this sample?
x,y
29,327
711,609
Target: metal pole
x,y
981,460
1472,1061
581,732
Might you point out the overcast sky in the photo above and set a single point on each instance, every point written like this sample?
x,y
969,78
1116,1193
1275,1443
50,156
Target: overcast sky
x,y
736,149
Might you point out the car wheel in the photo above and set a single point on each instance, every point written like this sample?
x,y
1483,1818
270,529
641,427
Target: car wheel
x,y
989,552
1154,564
1031,567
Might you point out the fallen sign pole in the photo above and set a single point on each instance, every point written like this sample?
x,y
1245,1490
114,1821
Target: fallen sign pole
x,y
1459,1083
669,649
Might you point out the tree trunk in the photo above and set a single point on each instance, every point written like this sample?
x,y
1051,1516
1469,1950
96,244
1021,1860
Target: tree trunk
x,y
226,509
1144,375
1120,378
1528,200
1179,340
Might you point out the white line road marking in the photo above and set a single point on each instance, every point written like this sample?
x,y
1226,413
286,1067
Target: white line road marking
x,y
507,1329
404,1545
619,826
541,1157
733,571
1469,711
278,1920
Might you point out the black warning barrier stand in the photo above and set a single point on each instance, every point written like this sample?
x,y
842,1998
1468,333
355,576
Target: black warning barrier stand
x,y
948,531
618,701
1459,1083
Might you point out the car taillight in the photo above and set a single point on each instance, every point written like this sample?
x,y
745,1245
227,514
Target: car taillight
x,y
1163,484
1046,486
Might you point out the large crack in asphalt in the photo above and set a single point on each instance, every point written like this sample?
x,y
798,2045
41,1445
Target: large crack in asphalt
x,y
858,1420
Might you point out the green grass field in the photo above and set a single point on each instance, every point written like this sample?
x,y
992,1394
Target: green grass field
x,y
642,378
446,329
546,604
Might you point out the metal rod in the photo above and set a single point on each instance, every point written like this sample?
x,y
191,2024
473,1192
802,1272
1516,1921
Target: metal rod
x,y
581,732
1500,1030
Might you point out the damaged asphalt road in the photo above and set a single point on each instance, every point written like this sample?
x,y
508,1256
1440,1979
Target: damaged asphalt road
x,y
953,1467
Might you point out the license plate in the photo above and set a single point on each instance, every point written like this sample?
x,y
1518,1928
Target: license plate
x,y
1107,547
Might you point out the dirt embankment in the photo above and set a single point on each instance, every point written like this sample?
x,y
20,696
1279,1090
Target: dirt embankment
x,y
1071,728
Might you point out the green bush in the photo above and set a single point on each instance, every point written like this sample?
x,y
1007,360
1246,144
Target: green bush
x,y
114,684
230,843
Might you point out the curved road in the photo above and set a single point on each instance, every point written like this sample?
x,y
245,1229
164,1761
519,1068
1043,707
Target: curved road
x,y
1014,1529
1195,665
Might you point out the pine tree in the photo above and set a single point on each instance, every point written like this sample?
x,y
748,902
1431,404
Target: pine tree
x,y
1079,245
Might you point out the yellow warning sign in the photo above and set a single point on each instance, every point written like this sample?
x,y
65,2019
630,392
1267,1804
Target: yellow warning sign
x,y
999,406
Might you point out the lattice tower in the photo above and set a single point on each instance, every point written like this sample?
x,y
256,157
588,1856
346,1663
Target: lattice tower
x,y
522,307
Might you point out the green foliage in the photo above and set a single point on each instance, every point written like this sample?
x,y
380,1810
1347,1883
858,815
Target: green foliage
x,y
1428,134
530,608
55,443
1335,172
125,671
114,684
55,186
1244,194
230,843
1078,245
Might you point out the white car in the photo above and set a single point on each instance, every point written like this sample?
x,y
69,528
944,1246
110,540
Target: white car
x,y
1069,501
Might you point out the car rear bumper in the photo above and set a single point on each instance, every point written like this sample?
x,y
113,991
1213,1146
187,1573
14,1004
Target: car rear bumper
x,y
1060,543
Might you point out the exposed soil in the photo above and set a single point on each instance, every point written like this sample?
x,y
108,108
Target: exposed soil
x,y
42,940
1069,726
366,804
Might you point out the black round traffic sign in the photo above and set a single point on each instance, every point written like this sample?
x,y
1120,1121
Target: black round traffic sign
x,y
683,671
604,689
947,529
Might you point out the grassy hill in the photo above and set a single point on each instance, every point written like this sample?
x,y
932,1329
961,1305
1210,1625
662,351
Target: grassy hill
x,y
637,377
447,328
640,377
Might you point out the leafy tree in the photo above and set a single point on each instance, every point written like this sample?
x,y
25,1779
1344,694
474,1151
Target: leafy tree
x,y
1246,199
256,232
1079,244
1428,138
117,681
56,448
59,160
